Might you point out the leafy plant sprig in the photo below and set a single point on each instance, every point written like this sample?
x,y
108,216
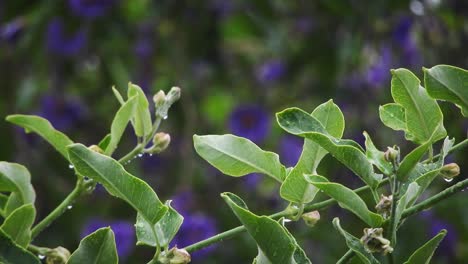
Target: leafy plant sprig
x,y
395,181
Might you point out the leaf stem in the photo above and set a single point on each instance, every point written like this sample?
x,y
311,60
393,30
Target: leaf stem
x,y
346,257
428,203
288,212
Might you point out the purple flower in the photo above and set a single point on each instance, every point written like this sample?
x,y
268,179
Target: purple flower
x,y
90,8
290,149
378,73
271,71
63,113
252,180
10,32
184,202
61,43
405,41
447,248
196,227
250,121
124,232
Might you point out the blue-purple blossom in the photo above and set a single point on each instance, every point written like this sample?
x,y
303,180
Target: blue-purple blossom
x,y
10,32
290,149
124,233
196,227
90,8
250,121
271,71
378,73
184,201
404,39
63,43
447,248
252,180
64,113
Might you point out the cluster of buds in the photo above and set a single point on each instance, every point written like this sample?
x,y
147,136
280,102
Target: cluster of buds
x,y
311,218
391,155
174,256
163,102
384,206
450,171
373,241
58,255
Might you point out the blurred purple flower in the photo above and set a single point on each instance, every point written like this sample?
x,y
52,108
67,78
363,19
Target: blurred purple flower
x,y
252,180
403,38
378,73
60,42
183,202
124,232
196,227
447,248
90,8
271,71
10,32
63,113
250,121
290,149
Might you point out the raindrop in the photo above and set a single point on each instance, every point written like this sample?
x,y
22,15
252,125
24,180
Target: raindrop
x,y
448,179
165,117
69,207
71,166
417,8
41,256
287,220
140,155
151,154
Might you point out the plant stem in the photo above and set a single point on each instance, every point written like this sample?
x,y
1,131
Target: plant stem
x,y
59,210
456,147
237,230
346,257
428,203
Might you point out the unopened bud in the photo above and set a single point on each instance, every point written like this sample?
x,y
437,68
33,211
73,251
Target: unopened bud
x,y
160,142
96,148
169,99
385,205
450,171
311,218
173,95
58,255
175,256
373,241
391,154
159,98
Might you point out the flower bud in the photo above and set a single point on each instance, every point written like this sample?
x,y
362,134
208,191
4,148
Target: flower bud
x,y
311,218
385,205
96,148
170,98
173,95
58,255
373,241
450,171
160,142
159,98
391,154
175,256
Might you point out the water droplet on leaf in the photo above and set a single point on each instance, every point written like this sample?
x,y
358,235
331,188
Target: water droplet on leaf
x,y
165,117
448,179
71,166
41,256
69,207
140,155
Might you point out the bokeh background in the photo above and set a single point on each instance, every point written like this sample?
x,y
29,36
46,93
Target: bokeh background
x,y
237,62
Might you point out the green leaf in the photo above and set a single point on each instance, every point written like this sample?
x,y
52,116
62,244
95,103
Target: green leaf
x,y
15,178
165,229
410,161
346,199
355,244
236,156
98,247
104,142
18,224
376,156
295,188
448,83
348,152
393,116
142,118
43,128
404,202
118,182
3,202
275,243
422,113
121,119
118,95
424,254
11,253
